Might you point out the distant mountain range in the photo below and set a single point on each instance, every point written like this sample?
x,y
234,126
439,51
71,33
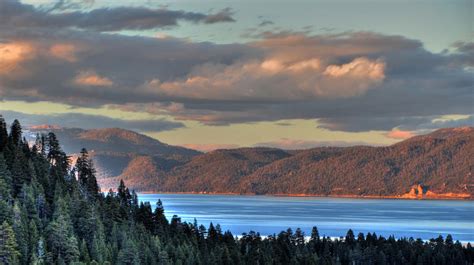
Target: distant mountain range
x,y
436,165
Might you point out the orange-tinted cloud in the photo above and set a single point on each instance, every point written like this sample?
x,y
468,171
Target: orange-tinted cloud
x,y
271,78
399,134
359,68
64,51
348,81
13,54
90,78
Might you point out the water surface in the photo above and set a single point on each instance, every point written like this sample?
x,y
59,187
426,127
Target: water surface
x,y
333,216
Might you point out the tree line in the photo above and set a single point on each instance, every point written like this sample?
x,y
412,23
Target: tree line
x,y
54,213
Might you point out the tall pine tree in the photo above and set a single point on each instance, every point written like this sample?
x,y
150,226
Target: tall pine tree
x,y
3,134
9,253
86,174
15,133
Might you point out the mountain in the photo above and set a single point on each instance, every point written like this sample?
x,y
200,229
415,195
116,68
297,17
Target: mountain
x,y
440,163
220,170
436,165
117,151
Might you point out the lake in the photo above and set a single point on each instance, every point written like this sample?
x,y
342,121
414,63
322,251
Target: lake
x,y
333,216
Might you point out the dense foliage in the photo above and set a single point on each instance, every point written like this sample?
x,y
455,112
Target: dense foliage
x,y
51,213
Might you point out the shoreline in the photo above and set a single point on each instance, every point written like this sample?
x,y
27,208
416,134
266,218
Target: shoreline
x,y
450,197
463,242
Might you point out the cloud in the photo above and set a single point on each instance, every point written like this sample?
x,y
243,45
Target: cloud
x,y
353,81
84,121
90,78
64,51
12,55
358,68
442,122
270,79
464,52
265,22
61,5
398,134
225,15
128,62
13,13
297,144
374,121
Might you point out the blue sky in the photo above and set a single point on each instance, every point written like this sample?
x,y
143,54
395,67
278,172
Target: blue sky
x,y
437,23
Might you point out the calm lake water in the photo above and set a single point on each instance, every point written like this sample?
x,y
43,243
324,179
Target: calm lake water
x,y
332,216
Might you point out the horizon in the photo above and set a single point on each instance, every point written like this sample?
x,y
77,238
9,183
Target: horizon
x,y
238,74
51,127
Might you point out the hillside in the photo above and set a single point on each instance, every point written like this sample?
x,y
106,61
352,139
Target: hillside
x,y
436,165
73,222
441,165
117,151
220,170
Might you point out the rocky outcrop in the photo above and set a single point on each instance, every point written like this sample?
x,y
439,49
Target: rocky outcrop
x,y
422,192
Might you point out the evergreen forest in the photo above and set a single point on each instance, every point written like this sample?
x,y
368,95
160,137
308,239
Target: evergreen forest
x,y
54,213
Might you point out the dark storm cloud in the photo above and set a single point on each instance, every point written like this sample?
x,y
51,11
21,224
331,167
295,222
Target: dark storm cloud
x,y
84,121
16,14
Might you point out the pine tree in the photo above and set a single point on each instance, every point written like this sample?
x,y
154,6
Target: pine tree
x,y
20,226
5,202
15,133
3,134
33,241
314,234
86,174
61,239
84,256
57,158
6,179
117,230
19,176
350,238
128,255
9,253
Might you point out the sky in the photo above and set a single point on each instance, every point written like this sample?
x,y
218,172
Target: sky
x,y
227,74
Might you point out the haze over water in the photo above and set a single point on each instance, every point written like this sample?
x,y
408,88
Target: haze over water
x,y
333,216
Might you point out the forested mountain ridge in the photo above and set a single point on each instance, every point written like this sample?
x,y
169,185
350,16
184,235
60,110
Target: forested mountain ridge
x,y
435,165
441,162
52,213
114,149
